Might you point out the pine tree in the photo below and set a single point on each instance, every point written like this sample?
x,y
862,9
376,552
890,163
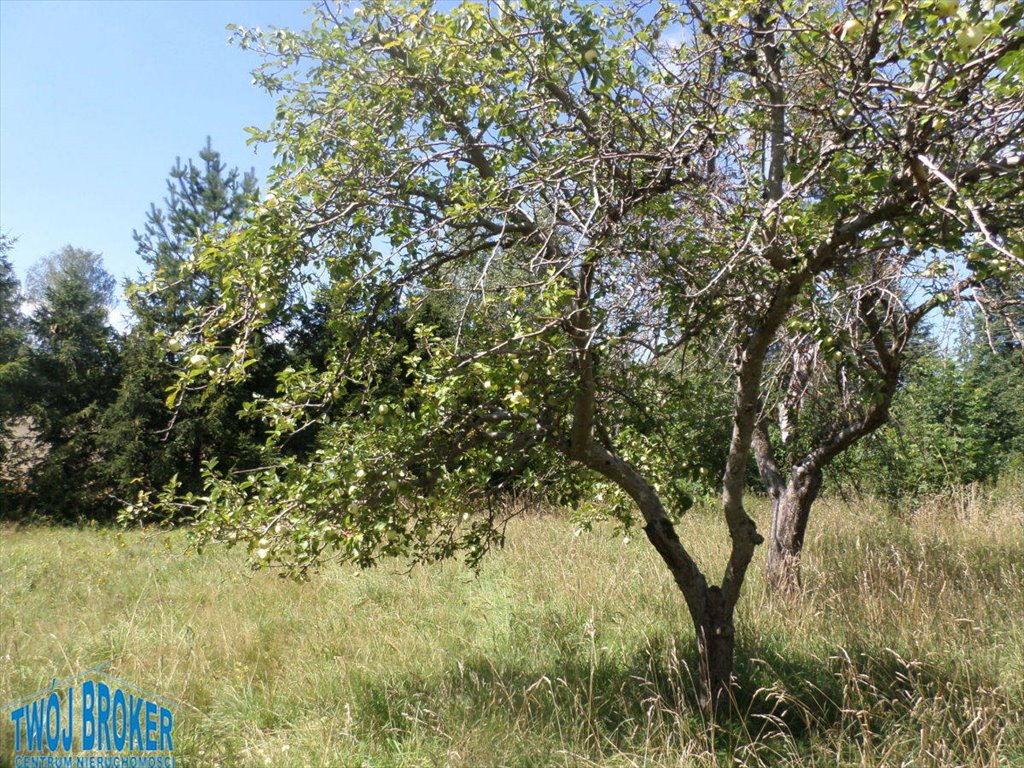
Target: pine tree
x,y
11,328
74,372
10,319
146,443
13,363
200,198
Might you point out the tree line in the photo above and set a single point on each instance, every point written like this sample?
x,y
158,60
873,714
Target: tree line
x,y
84,419
86,425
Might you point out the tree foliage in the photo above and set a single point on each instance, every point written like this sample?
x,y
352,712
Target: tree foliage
x,y
201,197
12,330
74,370
144,442
958,418
654,184
13,358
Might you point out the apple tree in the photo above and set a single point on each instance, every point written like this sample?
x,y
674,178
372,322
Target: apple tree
x,y
594,191
929,96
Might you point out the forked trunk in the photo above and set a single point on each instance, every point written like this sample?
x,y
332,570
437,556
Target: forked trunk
x,y
791,509
711,615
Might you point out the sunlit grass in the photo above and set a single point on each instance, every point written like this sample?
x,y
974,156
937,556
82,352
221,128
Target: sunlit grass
x,y
908,648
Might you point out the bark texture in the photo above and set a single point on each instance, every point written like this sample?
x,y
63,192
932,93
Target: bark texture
x,y
791,509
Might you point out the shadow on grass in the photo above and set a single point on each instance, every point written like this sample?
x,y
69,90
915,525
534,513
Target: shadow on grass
x,y
600,703
577,703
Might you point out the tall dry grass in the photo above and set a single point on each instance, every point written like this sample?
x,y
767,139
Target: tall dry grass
x,y
907,649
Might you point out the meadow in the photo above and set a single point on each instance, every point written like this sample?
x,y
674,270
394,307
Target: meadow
x,y
566,649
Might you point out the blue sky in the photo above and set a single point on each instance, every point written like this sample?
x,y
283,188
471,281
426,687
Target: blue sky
x,y
97,99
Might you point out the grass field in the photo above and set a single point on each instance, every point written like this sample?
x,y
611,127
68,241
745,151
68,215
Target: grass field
x,y
907,650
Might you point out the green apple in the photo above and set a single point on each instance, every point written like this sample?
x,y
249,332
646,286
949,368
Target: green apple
x,y
174,345
947,7
590,56
969,38
265,305
990,27
851,29
198,360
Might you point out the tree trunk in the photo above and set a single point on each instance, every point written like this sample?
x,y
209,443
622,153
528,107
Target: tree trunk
x,y
710,612
715,646
711,608
791,509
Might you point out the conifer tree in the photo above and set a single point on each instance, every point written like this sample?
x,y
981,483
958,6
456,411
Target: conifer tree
x,y
13,357
74,370
146,442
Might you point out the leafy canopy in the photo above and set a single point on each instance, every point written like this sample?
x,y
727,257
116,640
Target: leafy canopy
x,y
596,193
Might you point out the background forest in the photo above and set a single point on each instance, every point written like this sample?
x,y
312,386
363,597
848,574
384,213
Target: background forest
x,y
86,424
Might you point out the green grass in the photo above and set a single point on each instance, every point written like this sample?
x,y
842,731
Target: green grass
x,y
908,648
